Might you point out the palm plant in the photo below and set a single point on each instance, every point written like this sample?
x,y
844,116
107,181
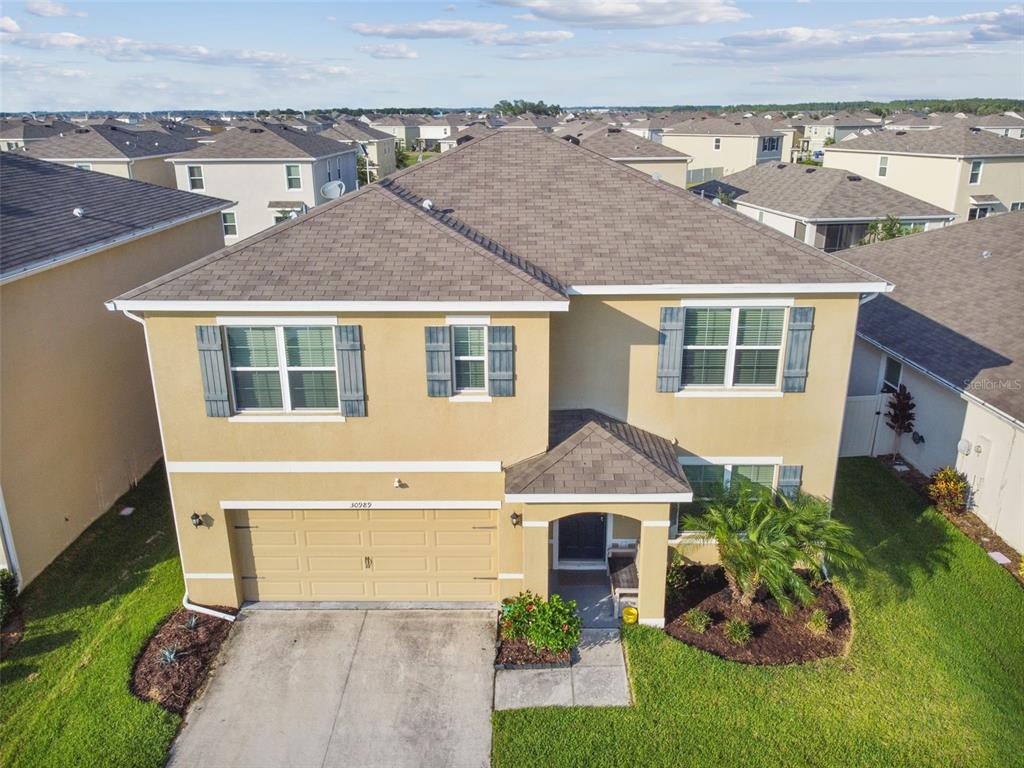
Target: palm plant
x,y
763,537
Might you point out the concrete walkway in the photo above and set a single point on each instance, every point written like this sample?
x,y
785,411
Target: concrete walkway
x,y
597,678
312,689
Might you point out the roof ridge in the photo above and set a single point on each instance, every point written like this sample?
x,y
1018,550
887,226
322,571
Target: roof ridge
x,y
474,236
633,450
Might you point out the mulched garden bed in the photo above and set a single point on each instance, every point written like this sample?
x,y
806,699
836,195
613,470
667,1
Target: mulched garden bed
x,y
519,654
777,639
172,685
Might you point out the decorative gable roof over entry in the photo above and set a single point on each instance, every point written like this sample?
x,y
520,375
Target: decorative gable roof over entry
x,y
594,458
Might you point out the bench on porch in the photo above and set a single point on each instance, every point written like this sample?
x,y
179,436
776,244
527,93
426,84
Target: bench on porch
x,y
623,575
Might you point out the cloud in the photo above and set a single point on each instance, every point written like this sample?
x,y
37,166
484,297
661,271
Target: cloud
x,y
7,24
449,8
630,14
390,51
988,26
37,70
526,38
49,8
525,17
436,29
543,55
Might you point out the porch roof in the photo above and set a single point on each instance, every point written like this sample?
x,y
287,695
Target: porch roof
x,y
593,454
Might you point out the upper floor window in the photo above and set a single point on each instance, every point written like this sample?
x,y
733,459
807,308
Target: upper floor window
x,y
883,165
976,166
732,347
294,180
283,368
84,166
195,177
230,223
978,212
469,343
718,143
1017,206
770,143
891,375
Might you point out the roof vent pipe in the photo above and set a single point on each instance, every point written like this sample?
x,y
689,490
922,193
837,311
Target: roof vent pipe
x,y
78,212
427,205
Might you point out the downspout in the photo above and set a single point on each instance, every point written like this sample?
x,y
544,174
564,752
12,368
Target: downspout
x,y
112,306
864,299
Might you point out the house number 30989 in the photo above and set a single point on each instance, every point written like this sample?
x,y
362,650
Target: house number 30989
x,y
361,504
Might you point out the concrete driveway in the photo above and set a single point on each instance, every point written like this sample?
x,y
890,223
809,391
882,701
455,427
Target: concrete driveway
x,y
319,688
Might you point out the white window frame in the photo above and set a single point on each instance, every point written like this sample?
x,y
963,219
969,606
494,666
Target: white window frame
x,y
718,144
192,180
288,178
84,166
971,180
769,143
282,368
224,223
730,355
883,166
1017,206
882,381
728,464
979,211
456,358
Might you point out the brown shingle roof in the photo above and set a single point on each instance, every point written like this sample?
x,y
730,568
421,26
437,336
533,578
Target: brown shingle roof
x,y
818,193
958,140
354,130
591,453
956,311
618,143
107,142
721,126
267,142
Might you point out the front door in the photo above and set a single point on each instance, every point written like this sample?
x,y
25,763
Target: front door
x,y
581,537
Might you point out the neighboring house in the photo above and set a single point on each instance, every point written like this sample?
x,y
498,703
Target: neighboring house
x,y
953,333
722,146
435,129
405,129
17,133
273,172
211,124
466,134
961,169
79,425
828,208
180,129
1008,124
656,160
817,134
500,361
379,146
118,150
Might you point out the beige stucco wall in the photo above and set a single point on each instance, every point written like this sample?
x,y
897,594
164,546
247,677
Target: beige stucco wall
x,y
382,156
736,153
78,423
110,167
671,171
155,170
604,354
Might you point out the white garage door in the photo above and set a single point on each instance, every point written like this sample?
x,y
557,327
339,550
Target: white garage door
x,y
367,554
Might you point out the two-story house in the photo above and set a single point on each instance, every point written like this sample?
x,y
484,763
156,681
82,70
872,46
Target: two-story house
x,y
405,129
273,172
379,146
721,146
618,144
449,384
825,131
966,170
16,133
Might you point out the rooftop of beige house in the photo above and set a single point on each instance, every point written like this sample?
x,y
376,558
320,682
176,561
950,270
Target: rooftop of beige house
x,y
266,141
540,215
620,144
108,142
956,310
28,129
591,453
721,126
948,141
354,130
814,193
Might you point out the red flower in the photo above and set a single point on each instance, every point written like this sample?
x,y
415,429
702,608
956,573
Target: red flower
x,y
565,627
530,607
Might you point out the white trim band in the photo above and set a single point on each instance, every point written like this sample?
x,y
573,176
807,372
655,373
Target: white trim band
x,y
469,399
209,576
597,498
467,320
655,524
286,418
359,504
658,623
152,305
727,288
328,467
711,393
510,576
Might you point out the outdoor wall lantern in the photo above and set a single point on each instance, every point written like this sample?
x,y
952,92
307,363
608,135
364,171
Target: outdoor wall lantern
x,y
917,437
196,519
517,519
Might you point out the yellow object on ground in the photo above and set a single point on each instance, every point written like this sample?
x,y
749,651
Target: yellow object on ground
x,y
629,615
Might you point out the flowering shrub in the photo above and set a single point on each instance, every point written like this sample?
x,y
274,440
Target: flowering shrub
x,y
546,624
675,577
948,489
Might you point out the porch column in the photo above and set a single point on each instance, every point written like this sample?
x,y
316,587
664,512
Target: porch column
x,y
535,557
652,562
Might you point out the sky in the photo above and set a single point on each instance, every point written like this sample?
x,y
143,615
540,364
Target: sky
x,y
151,56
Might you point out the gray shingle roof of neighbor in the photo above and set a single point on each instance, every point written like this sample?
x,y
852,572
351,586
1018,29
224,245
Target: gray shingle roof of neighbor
x,y
354,130
618,143
32,129
274,142
371,245
540,213
997,121
957,309
719,126
37,199
956,140
101,142
591,453
817,193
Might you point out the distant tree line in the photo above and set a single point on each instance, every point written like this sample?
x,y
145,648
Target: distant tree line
x,y
975,106
521,107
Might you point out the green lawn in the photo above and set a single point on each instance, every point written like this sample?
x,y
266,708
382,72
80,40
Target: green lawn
x,y
64,698
935,676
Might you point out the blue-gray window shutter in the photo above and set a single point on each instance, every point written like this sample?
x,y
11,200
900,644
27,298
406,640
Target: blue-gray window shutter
x,y
211,366
348,341
790,477
501,360
670,349
439,360
798,349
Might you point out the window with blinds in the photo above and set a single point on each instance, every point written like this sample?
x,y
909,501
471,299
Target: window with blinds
x,y
283,369
469,343
732,347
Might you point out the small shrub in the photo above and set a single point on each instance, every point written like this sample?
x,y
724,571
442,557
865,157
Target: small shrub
x,y
169,655
738,631
948,489
675,578
546,624
8,594
697,620
517,615
192,623
818,624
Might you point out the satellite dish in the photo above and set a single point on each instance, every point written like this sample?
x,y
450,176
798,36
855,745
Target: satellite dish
x,y
333,190
656,175
716,201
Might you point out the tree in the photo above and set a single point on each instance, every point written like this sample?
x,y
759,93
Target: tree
x,y
888,228
521,107
900,416
762,537
725,198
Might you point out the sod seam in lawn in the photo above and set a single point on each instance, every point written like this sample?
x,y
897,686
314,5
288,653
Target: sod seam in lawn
x,y
65,698
935,674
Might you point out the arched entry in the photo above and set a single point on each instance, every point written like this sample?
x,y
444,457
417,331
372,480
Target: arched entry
x,y
581,540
